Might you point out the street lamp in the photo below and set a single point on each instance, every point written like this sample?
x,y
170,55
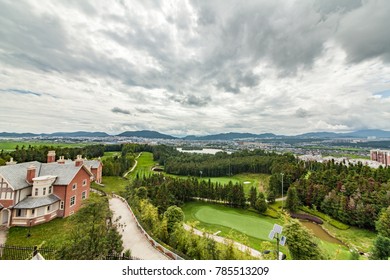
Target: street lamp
x,y
282,188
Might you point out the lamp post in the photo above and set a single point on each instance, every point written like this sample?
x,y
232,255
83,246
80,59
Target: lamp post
x,y
282,188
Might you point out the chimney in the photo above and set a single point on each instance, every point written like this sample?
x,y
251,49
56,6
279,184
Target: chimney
x,y
79,161
31,171
51,156
11,162
61,160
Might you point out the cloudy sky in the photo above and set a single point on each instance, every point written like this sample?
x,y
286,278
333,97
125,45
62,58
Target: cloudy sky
x,y
194,67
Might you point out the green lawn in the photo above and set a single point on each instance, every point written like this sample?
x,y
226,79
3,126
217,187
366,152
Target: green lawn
x,y
52,233
144,165
112,184
110,154
230,221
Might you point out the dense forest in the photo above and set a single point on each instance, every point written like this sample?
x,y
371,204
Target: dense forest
x,y
353,194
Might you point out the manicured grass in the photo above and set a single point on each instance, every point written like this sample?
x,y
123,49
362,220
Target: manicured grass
x,y
9,145
110,154
214,217
111,184
144,165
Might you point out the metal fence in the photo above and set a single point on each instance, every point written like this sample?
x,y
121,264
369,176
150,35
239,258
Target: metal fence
x,y
9,252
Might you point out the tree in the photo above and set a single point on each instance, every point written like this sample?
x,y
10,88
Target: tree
x,y
253,197
301,242
173,215
92,236
292,201
261,204
383,223
381,250
271,197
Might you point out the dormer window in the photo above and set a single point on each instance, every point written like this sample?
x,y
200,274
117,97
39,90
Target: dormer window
x,y
44,191
50,189
36,192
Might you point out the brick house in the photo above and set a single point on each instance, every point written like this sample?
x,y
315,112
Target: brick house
x,y
33,192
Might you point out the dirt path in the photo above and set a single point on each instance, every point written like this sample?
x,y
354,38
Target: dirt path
x,y
131,235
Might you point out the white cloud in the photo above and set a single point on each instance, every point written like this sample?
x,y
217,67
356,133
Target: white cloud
x,y
189,67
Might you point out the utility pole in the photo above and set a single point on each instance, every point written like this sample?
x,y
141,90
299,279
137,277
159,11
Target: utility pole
x,y
282,189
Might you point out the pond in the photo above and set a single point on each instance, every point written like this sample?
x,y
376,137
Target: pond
x,y
321,233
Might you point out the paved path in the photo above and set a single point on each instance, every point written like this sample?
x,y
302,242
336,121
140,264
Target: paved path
x,y
134,166
131,235
220,239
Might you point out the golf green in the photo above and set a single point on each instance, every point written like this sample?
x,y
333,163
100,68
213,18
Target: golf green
x,y
223,218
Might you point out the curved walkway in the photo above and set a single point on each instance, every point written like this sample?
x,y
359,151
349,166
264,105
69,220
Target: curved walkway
x,y
223,240
134,166
132,238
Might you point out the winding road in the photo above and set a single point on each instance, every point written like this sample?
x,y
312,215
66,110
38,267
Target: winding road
x,y
132,238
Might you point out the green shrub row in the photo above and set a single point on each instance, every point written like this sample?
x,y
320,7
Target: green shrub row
x,y
333,222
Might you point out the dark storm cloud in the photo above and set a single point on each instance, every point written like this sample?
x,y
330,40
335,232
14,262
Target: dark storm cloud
x,y
118,110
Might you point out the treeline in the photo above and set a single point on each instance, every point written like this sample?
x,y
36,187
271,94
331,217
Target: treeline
x,y
39,153
353,194
224,164
154,201
165,191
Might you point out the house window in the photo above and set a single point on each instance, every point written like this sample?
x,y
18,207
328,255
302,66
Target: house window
x,y
72,200
48,208
19,213
84,195
44,191
36,192
74,186
61,205
84,182
50,189
33,212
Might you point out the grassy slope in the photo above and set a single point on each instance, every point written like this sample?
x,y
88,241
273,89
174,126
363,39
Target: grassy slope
x,y
144,165
112,184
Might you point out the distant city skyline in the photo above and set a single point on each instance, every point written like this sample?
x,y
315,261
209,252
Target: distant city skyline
x,y
194,67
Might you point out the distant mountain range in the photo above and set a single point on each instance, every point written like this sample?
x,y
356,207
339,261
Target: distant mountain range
x,y
149,134
146,134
